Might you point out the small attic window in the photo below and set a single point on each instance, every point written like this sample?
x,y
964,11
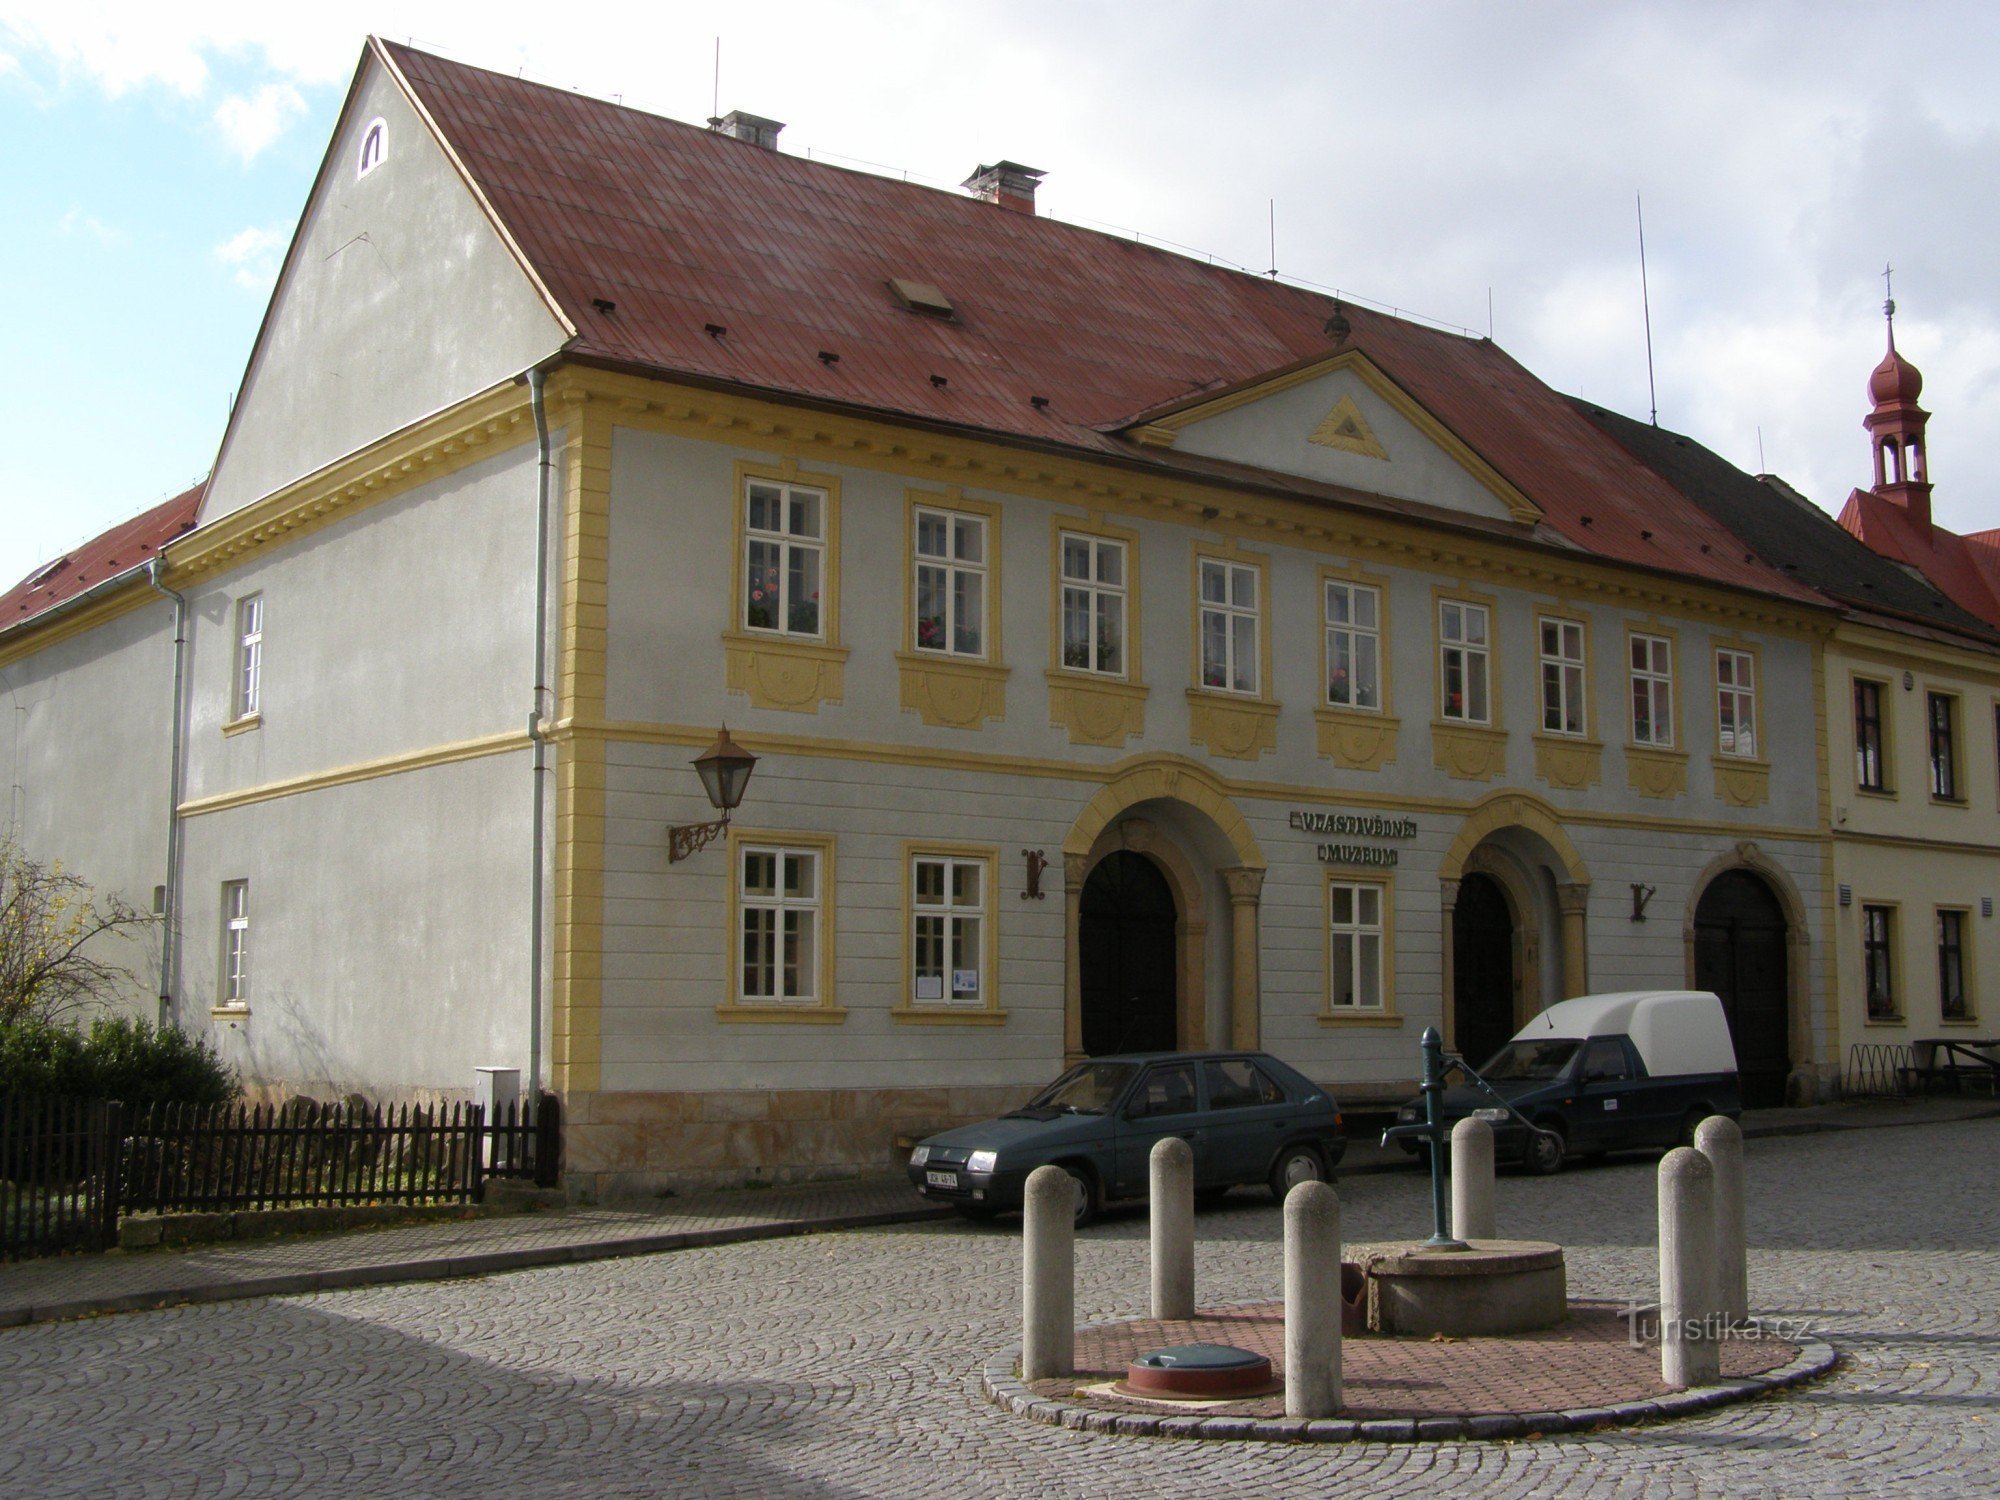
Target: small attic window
x,y
922,297
44,573
374,146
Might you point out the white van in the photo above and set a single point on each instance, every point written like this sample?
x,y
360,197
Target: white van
x,y
1604,1073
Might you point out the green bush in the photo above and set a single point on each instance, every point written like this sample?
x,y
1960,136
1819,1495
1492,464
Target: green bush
x,y
116,1058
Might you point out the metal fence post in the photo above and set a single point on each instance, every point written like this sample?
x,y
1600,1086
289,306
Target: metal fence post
x,y
111,1170
548,1141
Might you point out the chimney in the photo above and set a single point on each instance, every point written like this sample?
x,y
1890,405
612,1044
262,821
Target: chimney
x,y
755,129
1006,183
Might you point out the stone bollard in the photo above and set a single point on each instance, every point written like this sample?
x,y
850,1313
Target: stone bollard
x,y
1720,1139
1048,1275
1472,1180
1172,1165
1312,1301
1689,1352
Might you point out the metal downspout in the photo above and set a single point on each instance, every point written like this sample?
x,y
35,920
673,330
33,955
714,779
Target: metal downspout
x,y
170,901
543,461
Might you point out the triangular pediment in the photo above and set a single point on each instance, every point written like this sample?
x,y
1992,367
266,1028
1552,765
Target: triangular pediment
x,y
401,295
1341,420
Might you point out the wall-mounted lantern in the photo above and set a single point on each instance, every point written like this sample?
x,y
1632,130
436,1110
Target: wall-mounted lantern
x,y
724,769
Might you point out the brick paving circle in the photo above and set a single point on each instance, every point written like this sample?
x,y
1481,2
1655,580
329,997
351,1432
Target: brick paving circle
x,y
849,1365
1587,1373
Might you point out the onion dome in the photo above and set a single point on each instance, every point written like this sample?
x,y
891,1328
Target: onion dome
x,y
1895,379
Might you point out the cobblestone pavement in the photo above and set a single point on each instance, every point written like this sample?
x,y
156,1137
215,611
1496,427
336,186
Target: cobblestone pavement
x,y
848,1365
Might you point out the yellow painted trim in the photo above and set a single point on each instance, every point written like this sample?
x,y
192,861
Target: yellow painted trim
x,y
1356,739
780,430
1891,654
1468,752
1241,728
1656,773
1345,429
1097,710
1198,409
951,692
62,622
940,1012
1510,809
983,763
576,1037
1386,1013
1568,763
793,676
1739,781
825,1008
243,725
367,770
1176,778
425,451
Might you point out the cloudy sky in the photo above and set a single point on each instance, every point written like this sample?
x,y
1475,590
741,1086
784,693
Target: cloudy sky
x,y
1440,158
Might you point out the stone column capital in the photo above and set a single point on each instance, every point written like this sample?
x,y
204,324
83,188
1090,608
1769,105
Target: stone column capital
x,y
1075,868
1245,884
1573,897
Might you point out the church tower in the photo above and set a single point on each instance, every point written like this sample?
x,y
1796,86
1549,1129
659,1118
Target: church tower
x,y
1896,426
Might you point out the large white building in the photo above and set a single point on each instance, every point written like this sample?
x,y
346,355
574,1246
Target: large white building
x,y
1139,654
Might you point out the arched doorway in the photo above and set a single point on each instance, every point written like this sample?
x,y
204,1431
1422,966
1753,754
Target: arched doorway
x,y
1127,956
1482,968
1740,939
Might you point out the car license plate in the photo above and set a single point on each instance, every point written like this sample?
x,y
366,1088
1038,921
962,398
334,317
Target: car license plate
x,y
1490,1116
941,1179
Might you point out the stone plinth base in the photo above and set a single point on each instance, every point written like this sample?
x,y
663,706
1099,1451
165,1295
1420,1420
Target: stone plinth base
x,y
1495,1287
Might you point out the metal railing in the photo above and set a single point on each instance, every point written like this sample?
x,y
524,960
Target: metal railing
x,y
70,1167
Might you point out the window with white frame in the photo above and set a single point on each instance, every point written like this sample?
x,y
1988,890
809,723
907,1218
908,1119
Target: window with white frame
x,y
1464,661
779,912
1652,690
1562,676
1353,645
1229,620
784,558
374,146
1354,946
947,931
1094,592
1736,702
234,988
950,582
249,691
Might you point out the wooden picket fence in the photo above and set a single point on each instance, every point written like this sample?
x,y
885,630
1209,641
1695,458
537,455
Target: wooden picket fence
x,y
69,1167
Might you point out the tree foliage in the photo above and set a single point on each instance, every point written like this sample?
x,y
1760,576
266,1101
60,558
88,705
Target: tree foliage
x,y
53,959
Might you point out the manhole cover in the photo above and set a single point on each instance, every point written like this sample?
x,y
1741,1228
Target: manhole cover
x,y
1205,1372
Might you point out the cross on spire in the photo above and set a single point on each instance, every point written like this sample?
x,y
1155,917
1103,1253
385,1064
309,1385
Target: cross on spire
x,y
1889,300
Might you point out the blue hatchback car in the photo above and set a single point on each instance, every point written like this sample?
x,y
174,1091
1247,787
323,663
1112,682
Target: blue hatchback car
x,y
1249,1118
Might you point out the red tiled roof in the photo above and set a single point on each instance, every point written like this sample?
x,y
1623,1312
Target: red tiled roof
x,y
128,545
1965,568
681,227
